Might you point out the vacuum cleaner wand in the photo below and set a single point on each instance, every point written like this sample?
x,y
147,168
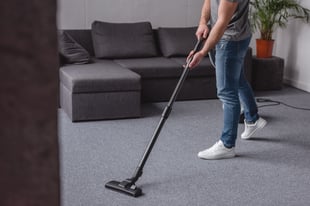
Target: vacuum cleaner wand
x,y
128,186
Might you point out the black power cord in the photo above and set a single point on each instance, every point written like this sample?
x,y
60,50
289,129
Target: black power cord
x,y
275,103
271,103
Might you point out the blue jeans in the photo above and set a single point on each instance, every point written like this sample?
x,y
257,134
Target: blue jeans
x,y
232,87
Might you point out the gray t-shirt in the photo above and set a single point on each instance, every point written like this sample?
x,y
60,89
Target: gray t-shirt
x,y
239,25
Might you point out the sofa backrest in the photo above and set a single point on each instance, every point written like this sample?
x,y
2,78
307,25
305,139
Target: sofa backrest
x,y
169,42
84,38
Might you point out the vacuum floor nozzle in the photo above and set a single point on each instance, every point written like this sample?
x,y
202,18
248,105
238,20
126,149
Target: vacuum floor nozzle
x,y
124,187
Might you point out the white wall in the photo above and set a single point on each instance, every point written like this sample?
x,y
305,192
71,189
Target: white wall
x,y
79,14
293,44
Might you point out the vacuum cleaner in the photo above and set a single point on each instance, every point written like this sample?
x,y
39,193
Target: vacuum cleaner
x,y
128,186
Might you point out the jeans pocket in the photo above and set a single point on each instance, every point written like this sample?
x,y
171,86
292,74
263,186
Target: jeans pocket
x,y
221,45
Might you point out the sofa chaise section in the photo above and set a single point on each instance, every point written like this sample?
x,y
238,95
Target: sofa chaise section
x,y
101,90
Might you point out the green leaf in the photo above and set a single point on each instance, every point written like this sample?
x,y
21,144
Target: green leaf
x,y
267,15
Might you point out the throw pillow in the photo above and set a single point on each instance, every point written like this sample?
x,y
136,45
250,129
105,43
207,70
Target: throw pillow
x,y
71,51
123,40
176,42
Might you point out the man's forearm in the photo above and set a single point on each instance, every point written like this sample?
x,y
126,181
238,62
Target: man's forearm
x,y
205,13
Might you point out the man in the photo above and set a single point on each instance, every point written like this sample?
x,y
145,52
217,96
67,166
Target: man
x,y
230,35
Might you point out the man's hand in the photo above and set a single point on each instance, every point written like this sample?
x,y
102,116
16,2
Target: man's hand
x,y
194,59
202,31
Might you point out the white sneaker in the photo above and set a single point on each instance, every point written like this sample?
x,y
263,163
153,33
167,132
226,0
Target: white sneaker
x,y
217,151
250,129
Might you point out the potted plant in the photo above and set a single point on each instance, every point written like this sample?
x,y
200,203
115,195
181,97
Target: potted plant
x,y
267,15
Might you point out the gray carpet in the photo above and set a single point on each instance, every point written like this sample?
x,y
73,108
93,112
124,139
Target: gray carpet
x,y
272,169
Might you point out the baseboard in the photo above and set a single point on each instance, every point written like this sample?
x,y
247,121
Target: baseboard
x,y
300,85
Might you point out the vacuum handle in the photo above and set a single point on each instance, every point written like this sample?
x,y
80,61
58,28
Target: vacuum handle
x,y
184,74
198,45
165,115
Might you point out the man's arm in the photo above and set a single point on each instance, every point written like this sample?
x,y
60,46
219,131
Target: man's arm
x,y
203,30
225,12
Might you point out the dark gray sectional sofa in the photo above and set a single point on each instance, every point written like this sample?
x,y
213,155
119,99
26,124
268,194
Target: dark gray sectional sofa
x,y
131,63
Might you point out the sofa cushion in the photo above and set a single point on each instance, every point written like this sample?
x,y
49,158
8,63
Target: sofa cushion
x,y
175,42
161,67
100,76
71,51
203,69
152,67
123,40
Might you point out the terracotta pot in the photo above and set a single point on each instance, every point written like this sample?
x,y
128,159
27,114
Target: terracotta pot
x,y
264,48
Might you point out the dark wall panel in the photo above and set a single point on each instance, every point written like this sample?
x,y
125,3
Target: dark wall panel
x,y
29,162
